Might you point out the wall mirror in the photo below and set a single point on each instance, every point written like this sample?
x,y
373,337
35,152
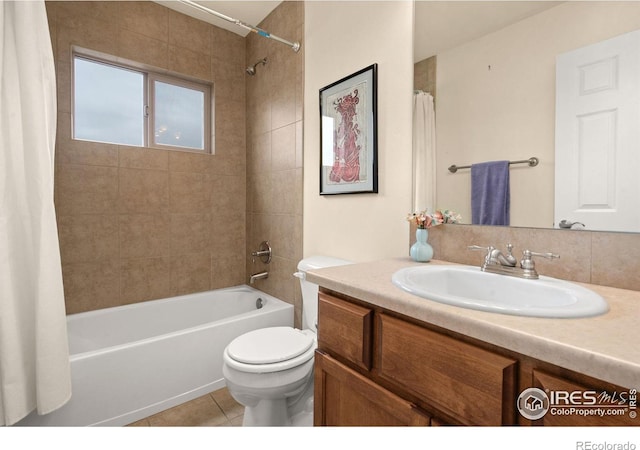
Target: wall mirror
x,y
491,67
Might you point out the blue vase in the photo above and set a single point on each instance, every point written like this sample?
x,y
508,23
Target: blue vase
x,y
421,251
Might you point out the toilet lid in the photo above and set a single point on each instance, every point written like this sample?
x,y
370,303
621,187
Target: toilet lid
x,y
269,345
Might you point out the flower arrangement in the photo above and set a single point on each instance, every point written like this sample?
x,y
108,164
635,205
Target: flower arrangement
x,y
423,219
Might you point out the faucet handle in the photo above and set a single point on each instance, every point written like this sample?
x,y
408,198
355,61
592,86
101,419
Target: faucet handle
x,y
529,266
477,247
528,254
264,253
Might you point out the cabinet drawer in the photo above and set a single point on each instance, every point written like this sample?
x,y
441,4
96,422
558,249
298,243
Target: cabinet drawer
x,y
578,411
344,329
344,397
472,384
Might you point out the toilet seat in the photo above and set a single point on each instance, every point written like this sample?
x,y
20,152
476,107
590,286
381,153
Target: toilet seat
x,y
270,350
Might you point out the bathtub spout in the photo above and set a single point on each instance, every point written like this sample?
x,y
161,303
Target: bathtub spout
x,y
258,276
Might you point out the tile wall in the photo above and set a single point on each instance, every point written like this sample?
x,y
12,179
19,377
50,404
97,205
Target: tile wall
x,y
274,152
424,75
135,223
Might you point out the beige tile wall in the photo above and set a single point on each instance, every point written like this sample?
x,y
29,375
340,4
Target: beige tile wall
x,y
274,152
604,258
137,224
424,75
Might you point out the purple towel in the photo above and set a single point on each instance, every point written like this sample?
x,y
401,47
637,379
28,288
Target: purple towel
x,y
490,198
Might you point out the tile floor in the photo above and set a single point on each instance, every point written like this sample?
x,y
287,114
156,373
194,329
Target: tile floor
x,y
215,409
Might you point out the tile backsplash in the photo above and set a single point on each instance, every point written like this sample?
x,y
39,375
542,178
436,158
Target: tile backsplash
x,y
596,257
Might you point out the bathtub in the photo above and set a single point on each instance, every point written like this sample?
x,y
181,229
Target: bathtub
x,y
130,362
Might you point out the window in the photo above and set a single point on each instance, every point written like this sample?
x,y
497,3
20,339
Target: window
x,y
108,103
124,105
178,115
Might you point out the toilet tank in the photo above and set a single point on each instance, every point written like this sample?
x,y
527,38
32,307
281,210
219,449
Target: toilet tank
x,y
310,290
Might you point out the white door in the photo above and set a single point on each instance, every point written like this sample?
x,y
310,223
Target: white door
x,y
597,175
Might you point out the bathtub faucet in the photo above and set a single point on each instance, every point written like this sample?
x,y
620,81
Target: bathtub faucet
x,y
258,276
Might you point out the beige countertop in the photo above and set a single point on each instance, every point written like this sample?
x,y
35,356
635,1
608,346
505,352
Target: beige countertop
x,y
606,347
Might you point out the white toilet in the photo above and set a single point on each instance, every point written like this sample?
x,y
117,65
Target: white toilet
x,y
270,370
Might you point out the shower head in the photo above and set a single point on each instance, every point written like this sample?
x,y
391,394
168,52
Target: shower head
x,y
251,70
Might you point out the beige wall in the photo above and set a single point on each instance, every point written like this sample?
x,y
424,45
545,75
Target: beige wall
x,y
274,152
342,38
508,112
134,223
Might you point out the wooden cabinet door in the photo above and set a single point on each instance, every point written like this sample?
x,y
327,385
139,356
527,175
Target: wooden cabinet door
x,y
605,407
346,398
471,384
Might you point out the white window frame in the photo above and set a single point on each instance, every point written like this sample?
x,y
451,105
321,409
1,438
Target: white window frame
x,y
149,77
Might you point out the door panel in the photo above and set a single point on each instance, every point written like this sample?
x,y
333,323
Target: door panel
x,y
598,135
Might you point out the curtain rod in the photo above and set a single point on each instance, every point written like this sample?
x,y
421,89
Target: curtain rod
x,y
295,46
532,162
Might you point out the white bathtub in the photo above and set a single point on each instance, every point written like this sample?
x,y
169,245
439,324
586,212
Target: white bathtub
x,y
130,362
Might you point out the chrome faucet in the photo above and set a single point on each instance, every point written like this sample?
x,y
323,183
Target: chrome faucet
x,y
504,260
258,276
497,262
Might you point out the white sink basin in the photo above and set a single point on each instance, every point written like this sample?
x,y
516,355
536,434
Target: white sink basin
x,y
469,287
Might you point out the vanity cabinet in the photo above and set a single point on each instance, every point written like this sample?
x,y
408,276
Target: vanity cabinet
x,y
366,356
343,396
376,367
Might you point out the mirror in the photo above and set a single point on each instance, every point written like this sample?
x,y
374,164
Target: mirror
x,y
491,67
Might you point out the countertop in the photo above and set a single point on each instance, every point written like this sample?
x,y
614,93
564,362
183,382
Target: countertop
x,y
606,347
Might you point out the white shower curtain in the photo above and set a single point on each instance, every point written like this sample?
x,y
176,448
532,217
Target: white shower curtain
x,y
34,354
424,152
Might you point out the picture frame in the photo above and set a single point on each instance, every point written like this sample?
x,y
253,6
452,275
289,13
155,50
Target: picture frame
x,y
349,135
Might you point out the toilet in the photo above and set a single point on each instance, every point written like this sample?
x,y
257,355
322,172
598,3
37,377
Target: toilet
x,y
270,370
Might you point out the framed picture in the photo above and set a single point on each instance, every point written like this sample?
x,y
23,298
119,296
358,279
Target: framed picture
x,y
348,134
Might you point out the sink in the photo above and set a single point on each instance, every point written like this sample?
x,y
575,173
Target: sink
x,y
469,287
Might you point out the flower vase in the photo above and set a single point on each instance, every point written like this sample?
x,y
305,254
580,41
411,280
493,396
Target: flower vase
x,y
421,251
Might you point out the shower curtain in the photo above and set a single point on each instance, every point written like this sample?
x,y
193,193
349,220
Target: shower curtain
x,y
34,354
424,152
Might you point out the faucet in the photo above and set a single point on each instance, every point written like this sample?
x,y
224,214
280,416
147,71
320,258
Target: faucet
x,y
258,276
498,257
264,253
497,262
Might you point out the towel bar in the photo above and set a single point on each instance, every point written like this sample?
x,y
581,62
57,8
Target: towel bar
x,y
533,161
